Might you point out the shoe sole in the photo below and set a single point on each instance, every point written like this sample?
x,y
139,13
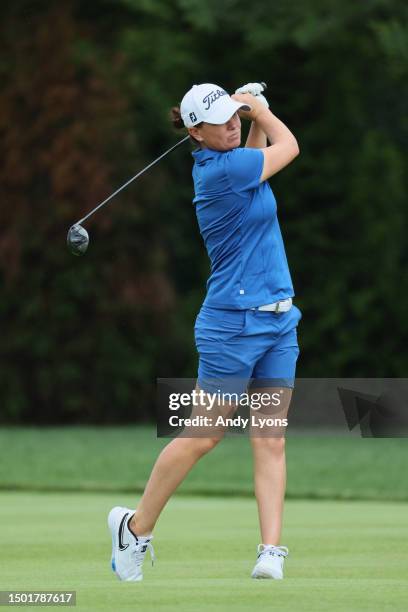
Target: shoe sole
x,y
114,517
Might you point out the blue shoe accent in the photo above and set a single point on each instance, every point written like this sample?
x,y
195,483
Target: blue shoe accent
x,y
113,565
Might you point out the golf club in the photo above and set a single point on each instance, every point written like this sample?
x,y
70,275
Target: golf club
x,y
78,238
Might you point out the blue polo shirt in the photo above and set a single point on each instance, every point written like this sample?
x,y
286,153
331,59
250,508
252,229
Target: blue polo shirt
x,y
238,222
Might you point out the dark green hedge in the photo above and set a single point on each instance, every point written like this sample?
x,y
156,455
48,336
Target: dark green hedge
x,y
86,89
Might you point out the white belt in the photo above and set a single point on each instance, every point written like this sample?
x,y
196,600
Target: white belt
x,y
282,306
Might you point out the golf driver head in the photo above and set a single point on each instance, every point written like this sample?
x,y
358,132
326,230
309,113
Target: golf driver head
x,y
77,239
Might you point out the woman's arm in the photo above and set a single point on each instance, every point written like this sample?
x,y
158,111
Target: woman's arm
x,y
256,137
283,148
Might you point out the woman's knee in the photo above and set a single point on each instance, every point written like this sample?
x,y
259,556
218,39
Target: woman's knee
x,y
272,445
202,446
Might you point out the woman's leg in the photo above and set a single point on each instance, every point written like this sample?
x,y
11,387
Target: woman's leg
x,y
270,468
173,464
170,469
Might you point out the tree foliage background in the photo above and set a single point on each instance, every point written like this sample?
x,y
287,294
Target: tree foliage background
x,y
86,91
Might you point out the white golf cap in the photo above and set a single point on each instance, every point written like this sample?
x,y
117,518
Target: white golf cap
x,y
210,103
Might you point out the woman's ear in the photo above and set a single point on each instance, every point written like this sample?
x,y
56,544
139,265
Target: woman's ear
x,y
195,133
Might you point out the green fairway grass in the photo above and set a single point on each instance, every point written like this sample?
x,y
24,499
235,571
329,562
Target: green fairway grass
x,y
343,555
120,459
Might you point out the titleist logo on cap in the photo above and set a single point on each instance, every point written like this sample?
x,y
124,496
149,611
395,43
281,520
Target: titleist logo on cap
x,y
213,97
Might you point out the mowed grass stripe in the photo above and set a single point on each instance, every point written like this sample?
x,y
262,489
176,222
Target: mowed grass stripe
x,y
120,459
343,555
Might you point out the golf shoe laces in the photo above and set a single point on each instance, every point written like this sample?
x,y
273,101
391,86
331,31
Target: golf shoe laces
x,y
139,552
269,549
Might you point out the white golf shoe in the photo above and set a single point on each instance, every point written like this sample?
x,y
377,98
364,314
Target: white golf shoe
x,y
270,562
128,550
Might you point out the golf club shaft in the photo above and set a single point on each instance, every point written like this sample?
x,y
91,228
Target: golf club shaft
x,y
131,180
137,175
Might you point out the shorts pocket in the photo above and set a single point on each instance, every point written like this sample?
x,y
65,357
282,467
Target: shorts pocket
x,y
215,324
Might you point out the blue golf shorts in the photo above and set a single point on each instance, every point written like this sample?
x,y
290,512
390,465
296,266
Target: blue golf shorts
x,y
240,349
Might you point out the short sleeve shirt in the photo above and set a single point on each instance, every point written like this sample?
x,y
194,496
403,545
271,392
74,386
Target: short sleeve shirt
x,y
237,217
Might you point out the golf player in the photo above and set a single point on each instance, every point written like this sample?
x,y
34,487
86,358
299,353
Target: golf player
x,y
246,328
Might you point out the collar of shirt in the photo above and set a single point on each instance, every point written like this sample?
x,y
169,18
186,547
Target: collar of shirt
x,y
203,155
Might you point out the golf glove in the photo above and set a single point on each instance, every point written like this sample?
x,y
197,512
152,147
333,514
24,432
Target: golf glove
x,y
255,89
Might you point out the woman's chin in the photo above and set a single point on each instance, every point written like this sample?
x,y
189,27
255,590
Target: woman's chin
x,y
235,142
